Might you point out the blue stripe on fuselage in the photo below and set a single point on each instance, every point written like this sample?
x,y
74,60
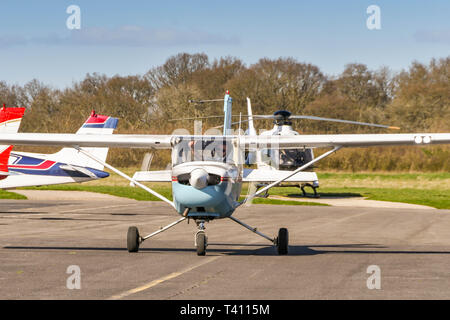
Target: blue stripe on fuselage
x,y
54,170
26,161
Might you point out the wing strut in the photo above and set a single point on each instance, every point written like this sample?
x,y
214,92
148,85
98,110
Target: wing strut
x,y
326,154
120,173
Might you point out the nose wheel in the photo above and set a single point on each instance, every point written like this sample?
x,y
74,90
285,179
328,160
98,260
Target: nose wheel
x,y
201,240
200,243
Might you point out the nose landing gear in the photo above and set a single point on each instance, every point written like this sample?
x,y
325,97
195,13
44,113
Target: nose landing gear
x,y
201,240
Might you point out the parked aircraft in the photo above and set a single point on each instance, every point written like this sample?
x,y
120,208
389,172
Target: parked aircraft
x,y
23,169
207,170
9,123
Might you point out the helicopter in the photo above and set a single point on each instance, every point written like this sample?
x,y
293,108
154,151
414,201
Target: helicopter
x,y
289,159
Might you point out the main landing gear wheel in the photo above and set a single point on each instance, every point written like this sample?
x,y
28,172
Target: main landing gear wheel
x,y
283,241
200,243
133,239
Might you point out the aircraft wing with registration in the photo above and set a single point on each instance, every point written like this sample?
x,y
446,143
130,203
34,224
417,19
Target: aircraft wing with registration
x,y
247,142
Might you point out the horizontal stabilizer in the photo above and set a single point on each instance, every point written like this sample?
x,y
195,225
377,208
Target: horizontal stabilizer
x,y
153,176
269,175
82,170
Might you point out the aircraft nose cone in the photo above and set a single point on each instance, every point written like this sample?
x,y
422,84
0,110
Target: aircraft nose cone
x,y
199,178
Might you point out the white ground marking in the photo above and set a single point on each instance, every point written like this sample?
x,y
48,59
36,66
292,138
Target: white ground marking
x,y
161,280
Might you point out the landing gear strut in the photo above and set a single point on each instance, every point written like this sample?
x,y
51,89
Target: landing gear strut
x,y
305,194
201,240
282,241
134,239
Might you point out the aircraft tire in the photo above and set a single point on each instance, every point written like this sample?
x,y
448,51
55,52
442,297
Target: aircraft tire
x,y
133,239
200,240
283,241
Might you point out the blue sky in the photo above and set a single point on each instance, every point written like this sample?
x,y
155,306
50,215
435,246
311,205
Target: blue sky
x,y
131,37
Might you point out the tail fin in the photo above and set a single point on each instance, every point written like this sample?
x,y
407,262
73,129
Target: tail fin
x,y
4,157
97,124
251,127
10,119
227,109
254,156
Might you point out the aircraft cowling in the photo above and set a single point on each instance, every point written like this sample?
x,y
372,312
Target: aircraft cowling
x,y
199,178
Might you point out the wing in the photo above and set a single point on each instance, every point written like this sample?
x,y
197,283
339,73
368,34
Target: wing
x,y
89,140
343,140
274,142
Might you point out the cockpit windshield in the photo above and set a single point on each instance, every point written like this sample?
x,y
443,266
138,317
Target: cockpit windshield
x,y
206,149
287,159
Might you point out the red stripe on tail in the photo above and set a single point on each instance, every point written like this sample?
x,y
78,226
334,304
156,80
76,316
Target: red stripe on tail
x,y
4,157
7,114
96,118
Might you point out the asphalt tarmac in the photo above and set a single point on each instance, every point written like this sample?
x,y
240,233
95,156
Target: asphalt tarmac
x,y
67,249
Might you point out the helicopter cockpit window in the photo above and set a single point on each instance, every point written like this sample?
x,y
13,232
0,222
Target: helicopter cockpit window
x,y
218,150
287,159
294,158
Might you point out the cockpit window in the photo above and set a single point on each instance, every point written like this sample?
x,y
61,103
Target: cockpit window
x,y
213,149
287,159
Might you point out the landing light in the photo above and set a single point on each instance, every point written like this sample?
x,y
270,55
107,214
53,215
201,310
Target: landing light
x,y
422,139
418,139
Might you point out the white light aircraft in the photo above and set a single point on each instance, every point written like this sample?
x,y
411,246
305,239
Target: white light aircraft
x,y
207,170
24,169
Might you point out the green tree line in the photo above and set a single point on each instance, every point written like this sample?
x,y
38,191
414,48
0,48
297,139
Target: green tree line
x,y
416,99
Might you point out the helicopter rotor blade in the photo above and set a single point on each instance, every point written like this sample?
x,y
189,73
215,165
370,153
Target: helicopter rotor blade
x,y
195,118
345,121
265,117
272,117
233,123
206,117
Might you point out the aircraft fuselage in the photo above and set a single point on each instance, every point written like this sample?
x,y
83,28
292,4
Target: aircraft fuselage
x,y
209,189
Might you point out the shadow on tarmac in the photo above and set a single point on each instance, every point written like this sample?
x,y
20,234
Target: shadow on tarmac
x,y
251,249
